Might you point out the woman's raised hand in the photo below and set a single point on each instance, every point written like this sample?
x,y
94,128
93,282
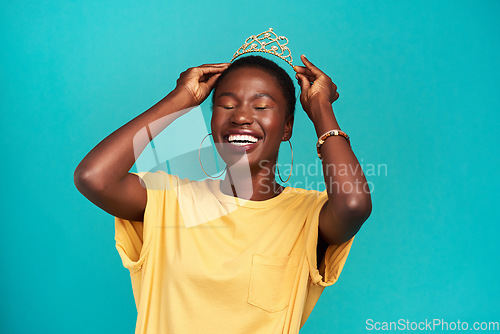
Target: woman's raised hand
x,y
196,83
314,85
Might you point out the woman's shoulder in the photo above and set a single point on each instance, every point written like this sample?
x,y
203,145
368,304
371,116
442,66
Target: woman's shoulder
x,y
161,180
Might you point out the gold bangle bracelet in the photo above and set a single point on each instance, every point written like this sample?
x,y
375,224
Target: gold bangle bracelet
x,y
330,133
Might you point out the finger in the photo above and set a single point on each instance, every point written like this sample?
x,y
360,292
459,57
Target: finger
x,y
308,73
208,76
205,71
212,69
311,66
216,65
213,78
204,78
303,70
303,82
310,77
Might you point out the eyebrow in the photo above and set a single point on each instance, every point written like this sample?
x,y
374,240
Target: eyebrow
x,y
255,96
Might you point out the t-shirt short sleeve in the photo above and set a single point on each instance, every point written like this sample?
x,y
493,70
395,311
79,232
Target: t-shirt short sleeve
x,y
336,255
133,238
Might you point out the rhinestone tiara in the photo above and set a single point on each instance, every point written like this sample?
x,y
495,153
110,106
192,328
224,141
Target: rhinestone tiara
x,y
258,43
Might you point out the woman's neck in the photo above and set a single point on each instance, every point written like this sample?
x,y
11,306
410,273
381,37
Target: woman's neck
x,y
255,185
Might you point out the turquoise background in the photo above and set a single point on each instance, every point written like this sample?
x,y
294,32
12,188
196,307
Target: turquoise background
x,y
418,83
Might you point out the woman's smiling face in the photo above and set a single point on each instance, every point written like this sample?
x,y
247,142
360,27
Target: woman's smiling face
x,y
249,116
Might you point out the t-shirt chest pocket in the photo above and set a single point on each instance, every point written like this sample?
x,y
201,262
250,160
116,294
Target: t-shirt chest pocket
x,y
271,281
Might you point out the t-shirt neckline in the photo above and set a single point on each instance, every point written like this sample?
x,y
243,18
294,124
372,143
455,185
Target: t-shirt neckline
x,y
246,202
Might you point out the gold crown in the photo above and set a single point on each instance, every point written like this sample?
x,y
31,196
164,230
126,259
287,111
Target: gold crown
x,y
258,44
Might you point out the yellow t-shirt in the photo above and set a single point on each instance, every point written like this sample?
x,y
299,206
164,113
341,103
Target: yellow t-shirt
x,y
206,262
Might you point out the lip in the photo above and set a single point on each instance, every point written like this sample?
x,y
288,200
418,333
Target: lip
x,y
242,148
242,132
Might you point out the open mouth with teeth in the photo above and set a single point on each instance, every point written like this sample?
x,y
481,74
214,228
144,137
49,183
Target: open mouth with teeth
x,y
242,140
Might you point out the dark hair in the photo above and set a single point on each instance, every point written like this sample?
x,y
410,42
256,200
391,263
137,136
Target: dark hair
x,y
272,68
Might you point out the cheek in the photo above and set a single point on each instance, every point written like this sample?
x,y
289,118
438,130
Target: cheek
x,y
216,122
273,122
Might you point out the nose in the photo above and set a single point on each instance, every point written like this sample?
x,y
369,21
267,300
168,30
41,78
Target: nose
x,y
242,115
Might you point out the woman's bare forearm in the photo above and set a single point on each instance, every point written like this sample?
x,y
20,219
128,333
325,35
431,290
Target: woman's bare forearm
x,y
110,161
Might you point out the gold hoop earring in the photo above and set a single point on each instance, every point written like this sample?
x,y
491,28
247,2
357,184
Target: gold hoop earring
x,y
199,158
277,168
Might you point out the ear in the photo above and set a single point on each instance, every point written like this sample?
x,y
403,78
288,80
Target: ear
x,y
288,129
